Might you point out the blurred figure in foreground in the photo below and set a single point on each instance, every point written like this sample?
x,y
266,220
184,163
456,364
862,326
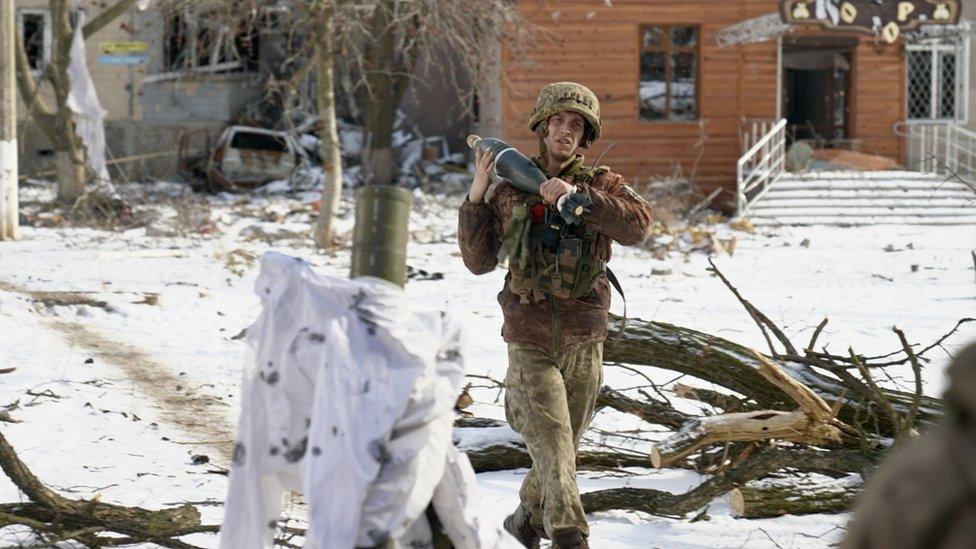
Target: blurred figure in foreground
x,y
924,495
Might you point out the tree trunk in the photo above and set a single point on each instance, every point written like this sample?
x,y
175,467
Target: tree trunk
x,y
68,150
331,157
774,501
9,215
57,120
71,174
759,465
387,75
736,368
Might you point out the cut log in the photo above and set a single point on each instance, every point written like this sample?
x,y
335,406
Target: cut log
x,y
774,501
812,424
793,426
765,461
735,367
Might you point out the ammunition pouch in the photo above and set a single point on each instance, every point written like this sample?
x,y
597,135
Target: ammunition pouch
x,y
561,258
566,268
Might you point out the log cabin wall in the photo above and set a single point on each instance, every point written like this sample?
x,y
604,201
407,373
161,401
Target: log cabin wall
x,y
597,44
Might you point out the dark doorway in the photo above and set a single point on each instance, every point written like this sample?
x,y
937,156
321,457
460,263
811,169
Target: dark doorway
x,y
817,83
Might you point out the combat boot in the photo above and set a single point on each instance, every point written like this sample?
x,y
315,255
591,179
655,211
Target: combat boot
x,y
519,525
569,538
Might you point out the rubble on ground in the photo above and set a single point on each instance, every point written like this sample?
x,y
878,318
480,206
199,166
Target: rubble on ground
x,y
685,221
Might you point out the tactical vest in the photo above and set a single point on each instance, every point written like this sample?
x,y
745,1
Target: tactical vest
x,y
556,259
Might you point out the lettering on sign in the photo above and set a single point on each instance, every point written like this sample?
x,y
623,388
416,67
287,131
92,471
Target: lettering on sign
x,y
123,53
884,18
122,48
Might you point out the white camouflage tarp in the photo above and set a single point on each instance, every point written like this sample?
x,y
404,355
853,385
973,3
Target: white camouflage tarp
x,y
349,398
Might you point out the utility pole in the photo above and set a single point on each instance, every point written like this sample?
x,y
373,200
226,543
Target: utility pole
x,y
9,221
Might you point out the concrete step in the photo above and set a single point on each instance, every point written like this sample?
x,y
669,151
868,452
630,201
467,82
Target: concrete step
x,y
865,198
799,211
842,197
863,175
860,221
899,185
962,206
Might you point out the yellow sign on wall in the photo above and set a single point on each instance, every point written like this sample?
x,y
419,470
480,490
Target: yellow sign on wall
x,y
117,48
123,53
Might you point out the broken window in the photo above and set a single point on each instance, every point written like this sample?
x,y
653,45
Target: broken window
x,y
668,87
34,27
937,80
209,40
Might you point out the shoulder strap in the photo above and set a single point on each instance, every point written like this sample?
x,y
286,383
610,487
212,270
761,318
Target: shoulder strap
x,y
616,286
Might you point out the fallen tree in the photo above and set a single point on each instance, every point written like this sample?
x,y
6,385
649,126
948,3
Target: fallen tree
x,y
785,413
759,465
55,518
736,368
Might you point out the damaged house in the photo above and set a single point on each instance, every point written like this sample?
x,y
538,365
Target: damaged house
x,y
172,78
159,75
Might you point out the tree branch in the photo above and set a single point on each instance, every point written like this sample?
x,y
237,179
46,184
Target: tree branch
x,y
29,90
756,314
759,465
909,422
654,412
105,17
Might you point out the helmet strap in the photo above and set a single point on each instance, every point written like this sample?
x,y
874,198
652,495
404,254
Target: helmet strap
x,y
543,156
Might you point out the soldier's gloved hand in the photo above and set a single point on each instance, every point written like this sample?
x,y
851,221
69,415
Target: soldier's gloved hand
x,y
484,163
552,189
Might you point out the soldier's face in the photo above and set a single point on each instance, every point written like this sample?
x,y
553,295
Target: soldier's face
x,y
565,131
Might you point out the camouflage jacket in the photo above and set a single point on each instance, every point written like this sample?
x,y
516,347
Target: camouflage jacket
x,y
617,213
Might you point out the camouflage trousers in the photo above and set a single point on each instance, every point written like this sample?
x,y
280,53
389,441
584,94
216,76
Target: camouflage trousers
x,y
550,399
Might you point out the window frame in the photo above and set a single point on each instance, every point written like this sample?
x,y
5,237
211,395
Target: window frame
x,y
47,35
933,50
188,17
667,49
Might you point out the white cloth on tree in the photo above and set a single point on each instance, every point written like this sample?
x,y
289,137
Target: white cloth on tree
x,y
83,101
348,397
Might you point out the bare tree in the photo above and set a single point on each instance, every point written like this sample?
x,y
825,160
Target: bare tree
x,y
320,17
380,43
460,36
55,118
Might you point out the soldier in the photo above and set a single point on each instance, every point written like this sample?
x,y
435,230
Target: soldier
x,y
555,300
924,495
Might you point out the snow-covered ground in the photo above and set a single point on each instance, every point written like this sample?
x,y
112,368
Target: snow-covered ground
x,y
127,369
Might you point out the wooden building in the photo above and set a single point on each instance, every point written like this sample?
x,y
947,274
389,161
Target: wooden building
x,y
673,98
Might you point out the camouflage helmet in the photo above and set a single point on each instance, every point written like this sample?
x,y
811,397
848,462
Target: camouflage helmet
x,y
568,96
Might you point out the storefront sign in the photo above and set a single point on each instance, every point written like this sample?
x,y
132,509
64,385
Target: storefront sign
x,y
123,53
885,18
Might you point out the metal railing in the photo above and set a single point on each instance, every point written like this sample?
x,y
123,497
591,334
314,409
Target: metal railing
x,y
751,130
761,166
941,148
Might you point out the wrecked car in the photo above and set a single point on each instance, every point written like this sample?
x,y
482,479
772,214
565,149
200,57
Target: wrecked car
x,y
242,159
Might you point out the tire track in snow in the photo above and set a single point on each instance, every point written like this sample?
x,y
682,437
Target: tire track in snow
x,y
195,413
